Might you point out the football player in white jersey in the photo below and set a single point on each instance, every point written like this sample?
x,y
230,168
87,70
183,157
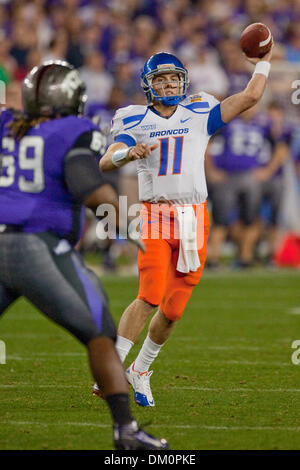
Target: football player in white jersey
x,y
168,139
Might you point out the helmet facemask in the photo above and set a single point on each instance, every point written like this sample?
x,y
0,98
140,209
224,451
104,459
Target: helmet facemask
x,y
167,100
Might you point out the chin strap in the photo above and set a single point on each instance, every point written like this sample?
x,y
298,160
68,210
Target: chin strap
x,y
172,101
168,100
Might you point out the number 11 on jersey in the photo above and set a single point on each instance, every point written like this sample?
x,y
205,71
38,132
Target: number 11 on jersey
x,y
164,155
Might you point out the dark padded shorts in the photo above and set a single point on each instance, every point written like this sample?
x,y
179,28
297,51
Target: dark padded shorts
x,y
49,273
272,192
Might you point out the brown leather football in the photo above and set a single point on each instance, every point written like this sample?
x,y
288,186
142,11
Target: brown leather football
x,y
256,40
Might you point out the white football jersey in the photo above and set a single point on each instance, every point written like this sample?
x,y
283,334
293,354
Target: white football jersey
x,y
173,172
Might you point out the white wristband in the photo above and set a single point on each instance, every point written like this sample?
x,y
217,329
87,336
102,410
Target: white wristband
x,y
120,157
262,67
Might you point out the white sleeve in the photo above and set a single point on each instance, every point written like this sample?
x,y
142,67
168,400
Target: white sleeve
x,y
118,131
212,101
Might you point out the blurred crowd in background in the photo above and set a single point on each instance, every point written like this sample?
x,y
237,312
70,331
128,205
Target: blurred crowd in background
x,y
109,41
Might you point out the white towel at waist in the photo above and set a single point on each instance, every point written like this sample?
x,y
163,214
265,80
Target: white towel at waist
x,y
188,259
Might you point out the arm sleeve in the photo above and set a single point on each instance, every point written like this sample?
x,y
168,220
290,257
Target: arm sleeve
x,y
214,122
92,140
82,173
126,139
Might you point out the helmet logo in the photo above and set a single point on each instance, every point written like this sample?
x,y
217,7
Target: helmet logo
x,y
166,66
70,83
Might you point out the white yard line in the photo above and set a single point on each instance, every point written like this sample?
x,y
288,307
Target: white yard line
x,y
45,354
239,389
193,388
294,311
28,385
218,361
247,363
238,342
43,357
172,426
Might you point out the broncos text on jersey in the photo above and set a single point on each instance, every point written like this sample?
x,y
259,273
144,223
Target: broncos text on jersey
x,y
174,172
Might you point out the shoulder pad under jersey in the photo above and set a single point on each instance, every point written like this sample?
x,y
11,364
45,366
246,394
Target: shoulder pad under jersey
x,y
200,102
127,118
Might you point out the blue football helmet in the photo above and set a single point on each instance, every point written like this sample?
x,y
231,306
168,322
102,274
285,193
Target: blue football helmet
x,y
160,63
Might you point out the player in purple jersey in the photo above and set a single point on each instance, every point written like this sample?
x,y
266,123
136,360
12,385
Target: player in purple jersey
x,y
49,171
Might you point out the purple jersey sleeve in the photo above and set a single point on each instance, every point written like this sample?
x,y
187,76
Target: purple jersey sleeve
x,y
33,190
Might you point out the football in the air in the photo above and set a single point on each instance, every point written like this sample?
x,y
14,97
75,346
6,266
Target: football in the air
x,y
256,40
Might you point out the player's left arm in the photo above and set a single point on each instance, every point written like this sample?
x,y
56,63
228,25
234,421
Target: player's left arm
x,y
250,96
114,159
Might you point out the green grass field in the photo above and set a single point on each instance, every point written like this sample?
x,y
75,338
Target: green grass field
x,y
225,379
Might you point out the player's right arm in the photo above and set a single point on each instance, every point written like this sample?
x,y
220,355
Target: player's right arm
x,y
118,154
250,96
